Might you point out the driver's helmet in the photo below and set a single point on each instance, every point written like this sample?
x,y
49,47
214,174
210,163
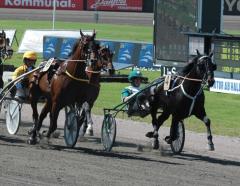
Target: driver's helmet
x,y
30,55
134,74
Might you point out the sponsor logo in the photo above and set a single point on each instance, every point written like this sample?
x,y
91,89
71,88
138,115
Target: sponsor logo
x,y
40,3
232,7
109,3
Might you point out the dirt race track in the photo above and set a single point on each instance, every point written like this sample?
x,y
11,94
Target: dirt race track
x,y
127,164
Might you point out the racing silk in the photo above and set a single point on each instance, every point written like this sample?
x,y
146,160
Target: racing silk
x,y
21,70
127,91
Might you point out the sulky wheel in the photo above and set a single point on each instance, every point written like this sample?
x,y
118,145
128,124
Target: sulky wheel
x,y
177,145
71,127
108,133
13,115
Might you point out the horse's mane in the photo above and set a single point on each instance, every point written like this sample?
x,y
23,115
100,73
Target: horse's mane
x,y
187,68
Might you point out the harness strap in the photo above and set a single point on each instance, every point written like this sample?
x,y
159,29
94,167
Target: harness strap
x,y
77,79
94,72
193,98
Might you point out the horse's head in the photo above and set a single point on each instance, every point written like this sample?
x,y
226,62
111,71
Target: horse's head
x,y
5,49
90,46
206,68
105,59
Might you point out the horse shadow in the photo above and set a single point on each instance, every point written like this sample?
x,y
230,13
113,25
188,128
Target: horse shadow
x,y
112,154
196,157
11,141
97,140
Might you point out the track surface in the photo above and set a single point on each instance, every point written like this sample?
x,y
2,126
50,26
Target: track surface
x,y
131,162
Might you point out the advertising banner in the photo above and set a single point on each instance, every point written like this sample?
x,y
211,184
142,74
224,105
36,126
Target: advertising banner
x,y
43,4
231,7
66,48
226,86
115,5
50,47
146,56
125,53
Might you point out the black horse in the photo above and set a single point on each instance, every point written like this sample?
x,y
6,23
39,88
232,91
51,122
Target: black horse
x,y
184,98
5,52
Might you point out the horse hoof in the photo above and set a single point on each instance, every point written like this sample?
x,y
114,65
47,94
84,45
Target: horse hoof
x,y
44,133
89,132
149,135
156,144
32,141
211,147
56,134
30,131
168,139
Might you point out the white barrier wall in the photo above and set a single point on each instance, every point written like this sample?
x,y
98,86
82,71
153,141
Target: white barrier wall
x,y
33,39
231,86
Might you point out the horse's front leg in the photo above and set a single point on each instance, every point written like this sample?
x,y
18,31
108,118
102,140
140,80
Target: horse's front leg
x,y
157,122
87,109
203,117
173,130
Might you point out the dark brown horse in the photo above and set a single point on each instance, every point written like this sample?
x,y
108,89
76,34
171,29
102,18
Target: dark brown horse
x,y
77,80
5,52
183,99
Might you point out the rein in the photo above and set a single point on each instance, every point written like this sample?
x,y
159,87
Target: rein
x,y
190,79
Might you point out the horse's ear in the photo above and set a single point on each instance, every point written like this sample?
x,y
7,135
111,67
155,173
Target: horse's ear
x,y
82,35
7,41
211,54
94,34
198,53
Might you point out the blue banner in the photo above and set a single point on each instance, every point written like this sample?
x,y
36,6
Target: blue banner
x,y
66,47
50,47
125,53
146,56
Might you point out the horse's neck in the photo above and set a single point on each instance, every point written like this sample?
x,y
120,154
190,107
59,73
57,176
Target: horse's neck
x,y
93,77
192,85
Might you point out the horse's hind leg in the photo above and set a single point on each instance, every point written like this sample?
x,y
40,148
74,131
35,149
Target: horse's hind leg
x,y
33,98
32,140
203,117
53,119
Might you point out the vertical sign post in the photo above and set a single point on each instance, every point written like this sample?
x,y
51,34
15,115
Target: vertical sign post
x,y
96,15
54,12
